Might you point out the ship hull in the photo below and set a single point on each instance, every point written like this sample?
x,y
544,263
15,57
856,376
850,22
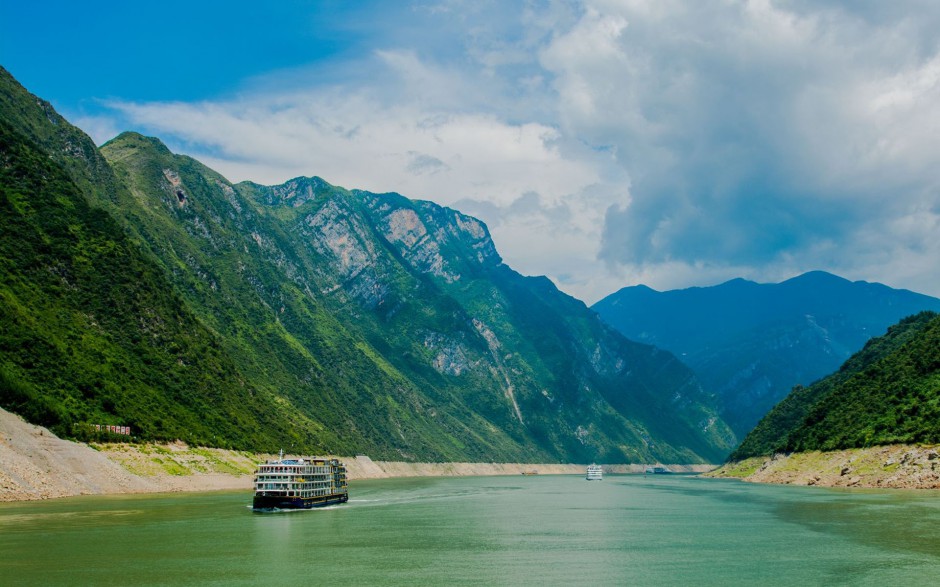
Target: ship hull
x,y
269,502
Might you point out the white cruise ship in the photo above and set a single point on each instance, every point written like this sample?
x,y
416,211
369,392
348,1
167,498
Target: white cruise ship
x,y
299,483
595,473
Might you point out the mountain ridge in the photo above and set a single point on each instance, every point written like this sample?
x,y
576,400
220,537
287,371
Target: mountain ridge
x,y
363,322
750,343
368,253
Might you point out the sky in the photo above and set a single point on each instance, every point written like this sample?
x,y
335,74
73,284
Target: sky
x,y
605,143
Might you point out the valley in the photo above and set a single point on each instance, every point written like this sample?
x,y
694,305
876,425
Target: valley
x,y
142,289
303,315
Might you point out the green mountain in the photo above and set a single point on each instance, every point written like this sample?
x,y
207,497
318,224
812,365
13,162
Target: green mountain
x,y
750,343
91,332
887,393
345,321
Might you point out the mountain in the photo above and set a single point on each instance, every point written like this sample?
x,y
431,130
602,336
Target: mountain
x,y
887,393
398,325
750,343
90,330
336,321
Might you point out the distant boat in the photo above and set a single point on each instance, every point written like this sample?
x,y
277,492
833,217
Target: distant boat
x,y
299,483
657,470
532,472
595,473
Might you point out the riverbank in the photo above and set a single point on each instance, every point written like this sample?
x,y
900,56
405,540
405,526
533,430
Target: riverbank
x,y
895,466
35,464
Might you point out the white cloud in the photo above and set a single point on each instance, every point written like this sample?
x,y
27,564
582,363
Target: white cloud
x,y
358,141
611,142
99,128
560,237
761,138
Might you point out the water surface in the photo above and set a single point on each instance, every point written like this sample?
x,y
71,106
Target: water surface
x,y
541,530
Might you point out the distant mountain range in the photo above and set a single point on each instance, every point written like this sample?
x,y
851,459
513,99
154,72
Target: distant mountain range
x,y
887,393
142,288
750,343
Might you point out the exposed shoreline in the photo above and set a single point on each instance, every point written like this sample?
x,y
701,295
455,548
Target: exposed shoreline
x,y
896,467
35,464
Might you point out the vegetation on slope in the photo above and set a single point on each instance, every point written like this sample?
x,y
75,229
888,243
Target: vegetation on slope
x,y
90,332
304,316
889,392
462,354
285,322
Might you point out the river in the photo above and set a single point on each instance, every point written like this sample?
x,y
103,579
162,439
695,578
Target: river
x,y
537,530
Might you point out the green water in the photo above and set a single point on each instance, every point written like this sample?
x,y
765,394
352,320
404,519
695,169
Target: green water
x,y
546,530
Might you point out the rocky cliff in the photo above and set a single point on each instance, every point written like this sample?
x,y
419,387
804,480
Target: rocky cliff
x,y
341,321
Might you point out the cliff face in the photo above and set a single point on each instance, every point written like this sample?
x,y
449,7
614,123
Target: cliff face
x,y
337,321
451,342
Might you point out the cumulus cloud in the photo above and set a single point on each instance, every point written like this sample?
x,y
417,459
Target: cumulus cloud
x,y
560,236
360,142
611,142
761,137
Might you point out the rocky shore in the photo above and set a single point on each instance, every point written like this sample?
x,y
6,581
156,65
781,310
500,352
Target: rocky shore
x,y
35,464
895,466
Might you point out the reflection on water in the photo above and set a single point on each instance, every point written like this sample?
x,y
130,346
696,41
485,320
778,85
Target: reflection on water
x,y
544,530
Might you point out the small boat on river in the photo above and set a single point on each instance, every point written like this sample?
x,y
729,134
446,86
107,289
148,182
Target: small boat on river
x,y
594,473
657,470
299,483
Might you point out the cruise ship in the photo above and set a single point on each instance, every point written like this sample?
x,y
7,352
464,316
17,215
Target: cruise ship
x,y
657,470
299,483
595,473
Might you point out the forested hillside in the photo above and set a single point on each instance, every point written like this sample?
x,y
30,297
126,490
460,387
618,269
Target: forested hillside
x,y
305,316
91,332
889,392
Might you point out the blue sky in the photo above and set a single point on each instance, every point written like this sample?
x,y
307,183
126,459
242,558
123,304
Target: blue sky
x,y
604,142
